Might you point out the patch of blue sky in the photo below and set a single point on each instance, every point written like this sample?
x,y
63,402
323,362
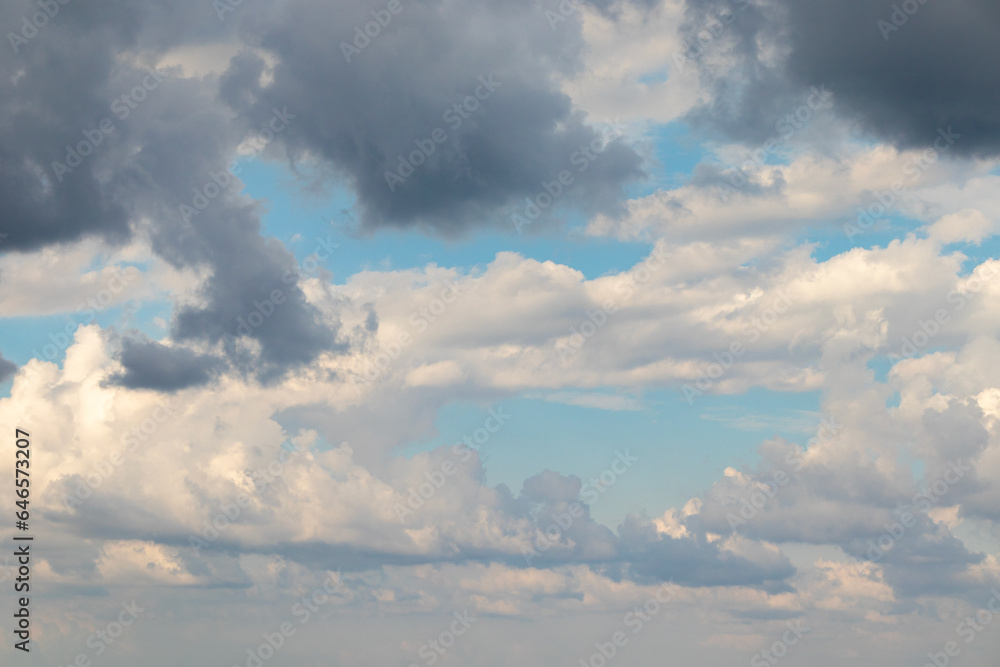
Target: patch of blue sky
x,y
976,254
47,337
682,449
880,366
893,401
151,318
654,77
303,224
832,239
672,154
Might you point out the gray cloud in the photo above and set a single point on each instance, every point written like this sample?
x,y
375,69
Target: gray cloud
x,y
936,70
359,117
77,161
151,365
872,516
635,552
694,561
7,369
64,178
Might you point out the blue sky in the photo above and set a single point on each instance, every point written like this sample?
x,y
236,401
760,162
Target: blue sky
x,y
246,434
662,428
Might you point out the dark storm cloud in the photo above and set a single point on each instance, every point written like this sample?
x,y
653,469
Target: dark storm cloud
x,y
933,66
364,108
151,365
73,165
53,89
182,179
91,143
185,178
7,369
58,85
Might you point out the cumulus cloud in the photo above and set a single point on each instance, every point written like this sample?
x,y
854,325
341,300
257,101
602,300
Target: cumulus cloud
x,y
475,121
304,501
265,426
151,365
900,74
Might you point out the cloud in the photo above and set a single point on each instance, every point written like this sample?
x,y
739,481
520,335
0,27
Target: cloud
x,y
698,561
287,464
851,486
901,75
121,148
594,400
304,500
484,89
151,365
7,368
965,225
740,194
109,148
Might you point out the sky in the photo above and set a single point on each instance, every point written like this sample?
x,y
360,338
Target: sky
x,y
512,332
